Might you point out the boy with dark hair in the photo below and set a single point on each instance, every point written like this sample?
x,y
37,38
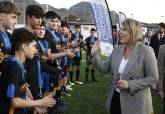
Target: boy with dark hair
x,y
34,15
89,43
13,86
43,49
161,36
114,34
52,15
53,23
36,66
65,61
76,61
34,10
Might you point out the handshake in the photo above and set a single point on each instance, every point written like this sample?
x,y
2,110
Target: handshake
x,y
45,102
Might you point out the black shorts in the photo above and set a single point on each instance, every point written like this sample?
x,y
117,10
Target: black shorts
x,y
76,61
64,70
53,81
88,60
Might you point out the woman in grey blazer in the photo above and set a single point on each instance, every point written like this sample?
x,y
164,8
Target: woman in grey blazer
x,y
161,69
134,69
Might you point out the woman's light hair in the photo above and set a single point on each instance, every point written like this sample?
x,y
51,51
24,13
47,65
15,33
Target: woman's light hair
x,y
135,29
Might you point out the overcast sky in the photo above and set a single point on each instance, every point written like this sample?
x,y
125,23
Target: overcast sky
x,y
142,10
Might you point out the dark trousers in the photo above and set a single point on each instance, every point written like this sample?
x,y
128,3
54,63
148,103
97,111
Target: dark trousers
x,y
115,104
164,94
163,105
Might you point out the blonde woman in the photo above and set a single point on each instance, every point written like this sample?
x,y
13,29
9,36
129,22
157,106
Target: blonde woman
x,y
134,69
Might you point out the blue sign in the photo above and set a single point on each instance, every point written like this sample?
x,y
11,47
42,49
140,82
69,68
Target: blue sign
x,y
102,19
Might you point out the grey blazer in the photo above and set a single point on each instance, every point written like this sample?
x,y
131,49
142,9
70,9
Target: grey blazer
x,y
140,72
161,66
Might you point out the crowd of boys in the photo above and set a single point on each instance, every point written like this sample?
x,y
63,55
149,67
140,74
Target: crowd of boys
x,y
35,60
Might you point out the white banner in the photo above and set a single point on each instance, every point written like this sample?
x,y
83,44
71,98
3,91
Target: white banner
x,y
102,19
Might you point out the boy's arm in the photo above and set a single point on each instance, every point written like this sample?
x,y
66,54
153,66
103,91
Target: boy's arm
x,y
47,101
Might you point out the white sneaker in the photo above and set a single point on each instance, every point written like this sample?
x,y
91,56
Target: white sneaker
x,y
78,82
69,88
71,83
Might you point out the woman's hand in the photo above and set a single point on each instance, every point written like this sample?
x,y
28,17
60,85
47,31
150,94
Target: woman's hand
x,y
95,48
161,94
122,84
